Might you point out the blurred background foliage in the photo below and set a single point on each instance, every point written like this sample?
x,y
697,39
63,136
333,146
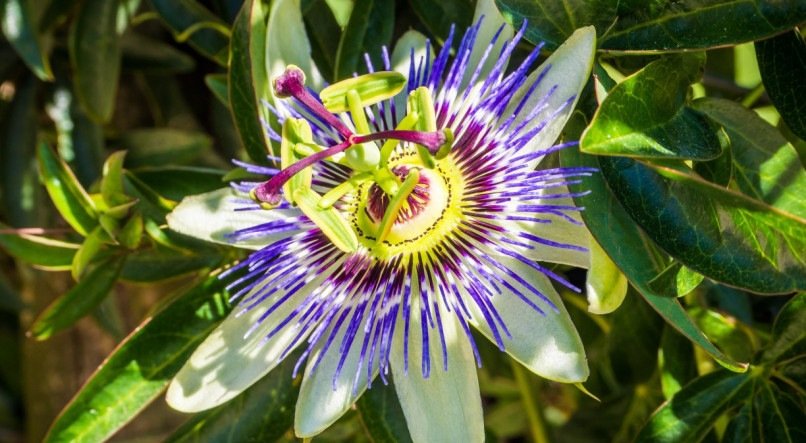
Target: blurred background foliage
x,y
111,111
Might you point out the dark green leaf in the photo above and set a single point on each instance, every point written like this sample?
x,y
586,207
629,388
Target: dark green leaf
x,y
78,301
789,332
633,253
17,152
718,170
722,234
690,414
765,166
370,27
382,415
36,250
438,16
70,199
771,415
217,83
667,25
95,57
162,146
161,263
782,61
141,53
262,413
677,363
248,79
141,367
21,29
206,31
725,332
324,34
179,181
645,116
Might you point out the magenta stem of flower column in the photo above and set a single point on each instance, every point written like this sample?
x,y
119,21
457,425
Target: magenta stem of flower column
x,y
291,83
431,140
269,191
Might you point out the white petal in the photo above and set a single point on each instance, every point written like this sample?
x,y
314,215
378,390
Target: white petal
x,y
606,286
549,344
568,69
321,400
212,216
492,20
447,405
227,362
287,43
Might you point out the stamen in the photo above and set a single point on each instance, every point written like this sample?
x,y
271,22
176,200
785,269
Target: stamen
x,y
433,141
269,192
291,83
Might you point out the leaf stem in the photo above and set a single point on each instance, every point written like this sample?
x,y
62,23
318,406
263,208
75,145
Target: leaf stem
x,y
536,426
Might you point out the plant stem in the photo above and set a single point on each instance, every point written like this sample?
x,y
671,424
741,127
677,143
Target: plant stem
x,y
536,426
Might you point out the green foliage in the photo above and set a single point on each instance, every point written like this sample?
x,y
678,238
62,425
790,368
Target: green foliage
x,y
112,112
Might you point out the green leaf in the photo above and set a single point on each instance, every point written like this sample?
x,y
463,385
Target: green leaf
x,y
78,301
633,253
161,146
145,54
140,368
370,28
789,332
264,412
205,32
722,234
21,29
112,181
676,281
438,16
176,182
693,24
89,249
725,332
765,165
156,264
69,197
771,416
782,61
248,79
94,48
692,412
324,33
38,251
645,116
382,415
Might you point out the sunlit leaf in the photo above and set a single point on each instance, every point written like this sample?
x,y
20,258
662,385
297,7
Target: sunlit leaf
x,y
20,28
69,197
37,250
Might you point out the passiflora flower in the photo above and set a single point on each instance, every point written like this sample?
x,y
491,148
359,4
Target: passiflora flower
x,y
408,209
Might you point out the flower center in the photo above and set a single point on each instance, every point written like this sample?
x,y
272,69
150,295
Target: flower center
x,y
378,200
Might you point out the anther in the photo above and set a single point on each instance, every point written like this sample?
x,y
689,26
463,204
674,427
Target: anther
x,y
291,83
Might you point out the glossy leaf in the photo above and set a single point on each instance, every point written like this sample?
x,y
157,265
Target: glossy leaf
x,y
691,413
370,27
264,412
112,181
161,146
95,57
70,199
632,252
382,415
693,24
725,332
36,250
676,281
765,165
789,333
21,29
140,368
208,37
146,54
78,301
645,116
782,61
722,234
248,79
